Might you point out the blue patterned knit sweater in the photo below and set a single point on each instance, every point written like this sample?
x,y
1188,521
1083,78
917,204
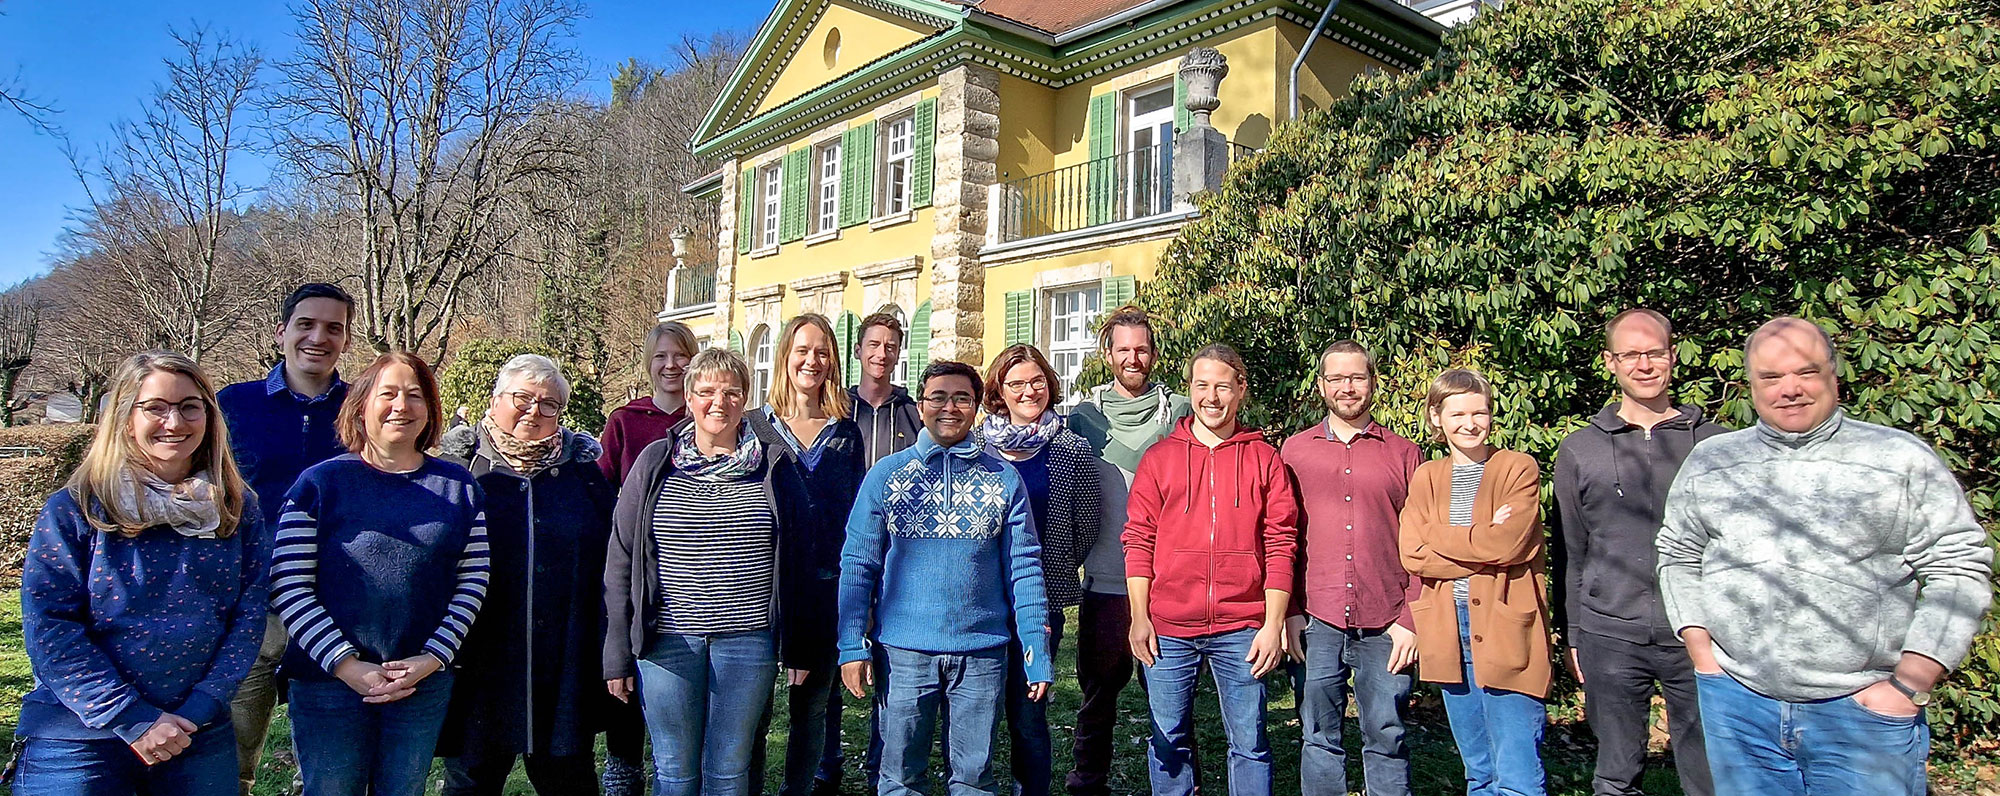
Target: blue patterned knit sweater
x,y
941,552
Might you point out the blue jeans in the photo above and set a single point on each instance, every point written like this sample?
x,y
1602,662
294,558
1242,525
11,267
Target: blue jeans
x,y
109,767
1499,733
1332,656
704,698
1833,747
347,747
1170,694
912,688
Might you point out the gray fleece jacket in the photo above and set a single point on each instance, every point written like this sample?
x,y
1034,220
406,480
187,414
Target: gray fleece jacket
x,y
1816,559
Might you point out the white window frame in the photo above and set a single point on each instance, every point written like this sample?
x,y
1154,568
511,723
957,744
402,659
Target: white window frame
x,y
899,149
760,368
826,214
1146,189
900,376
770,187
1072,311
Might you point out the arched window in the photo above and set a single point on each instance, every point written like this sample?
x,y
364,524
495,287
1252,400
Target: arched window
x,y
901,377
760,365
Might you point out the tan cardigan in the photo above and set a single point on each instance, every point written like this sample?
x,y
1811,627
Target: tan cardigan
x,y
1506,570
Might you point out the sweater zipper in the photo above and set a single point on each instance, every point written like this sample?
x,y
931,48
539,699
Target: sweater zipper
x,y
1211,538
528,686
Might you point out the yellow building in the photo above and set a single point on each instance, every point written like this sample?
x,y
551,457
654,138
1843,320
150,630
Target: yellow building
x,y
997,171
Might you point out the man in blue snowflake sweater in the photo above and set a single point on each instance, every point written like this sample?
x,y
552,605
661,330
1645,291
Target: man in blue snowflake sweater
x,y
940,571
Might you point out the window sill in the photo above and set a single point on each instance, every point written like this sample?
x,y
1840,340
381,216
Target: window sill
x,y
822,237
883,222
763,252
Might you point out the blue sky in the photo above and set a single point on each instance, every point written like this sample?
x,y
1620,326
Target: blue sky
x,y
97,59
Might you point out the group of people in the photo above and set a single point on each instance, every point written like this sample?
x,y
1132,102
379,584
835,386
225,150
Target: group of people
x,y
509,588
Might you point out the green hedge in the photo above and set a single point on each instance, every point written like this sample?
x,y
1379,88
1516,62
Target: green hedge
x,y
468,382
1723,161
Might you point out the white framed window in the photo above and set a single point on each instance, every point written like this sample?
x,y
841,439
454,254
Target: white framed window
x,y
769,187
760,365
901,376
897,150
826,213
1071,312
1149,142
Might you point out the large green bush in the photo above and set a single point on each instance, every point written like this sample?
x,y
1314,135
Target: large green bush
x,y
468,382
1723,161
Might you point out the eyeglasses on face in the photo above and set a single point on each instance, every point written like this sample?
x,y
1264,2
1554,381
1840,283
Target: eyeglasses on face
x,y
732,394
962,400
190,410
1630,358
1342,380
546,407
1019,386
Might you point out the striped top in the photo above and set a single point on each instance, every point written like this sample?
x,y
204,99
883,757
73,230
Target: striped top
x,y
718,548
1464,490
380,565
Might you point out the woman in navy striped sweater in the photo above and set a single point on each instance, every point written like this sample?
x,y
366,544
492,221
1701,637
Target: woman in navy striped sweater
x,y
380,568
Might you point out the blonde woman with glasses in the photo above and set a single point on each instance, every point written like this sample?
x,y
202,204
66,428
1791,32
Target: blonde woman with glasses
x,y
142,599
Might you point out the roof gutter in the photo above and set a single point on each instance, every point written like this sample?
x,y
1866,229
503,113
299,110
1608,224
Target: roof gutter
x,y
1115,20
1300,62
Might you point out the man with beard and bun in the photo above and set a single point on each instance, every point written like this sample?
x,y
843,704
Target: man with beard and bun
x,y
279,426
1824,573
1212,520
1611,490
1120,420
1352,616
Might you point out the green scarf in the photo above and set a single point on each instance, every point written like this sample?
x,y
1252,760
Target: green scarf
x,y
1123,428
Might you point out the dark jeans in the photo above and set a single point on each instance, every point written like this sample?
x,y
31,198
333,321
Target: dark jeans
x,y
1170,695
1618,678
1833,747
109,767
347,747
1030,752
625,733
911,690
1333,656
812,744
1104,665
481,775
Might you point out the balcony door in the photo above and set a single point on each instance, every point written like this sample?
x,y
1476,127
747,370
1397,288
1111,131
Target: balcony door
x,y
1149,146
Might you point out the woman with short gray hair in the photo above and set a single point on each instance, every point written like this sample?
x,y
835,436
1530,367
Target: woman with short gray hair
x,y
527,685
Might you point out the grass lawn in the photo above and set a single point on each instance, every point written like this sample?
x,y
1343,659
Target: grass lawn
x,y
1567,752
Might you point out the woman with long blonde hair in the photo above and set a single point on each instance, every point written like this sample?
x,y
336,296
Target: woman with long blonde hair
x,y
142,598
816,449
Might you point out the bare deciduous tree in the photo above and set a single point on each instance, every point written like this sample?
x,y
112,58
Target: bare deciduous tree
x,y
164,205
431,116
20,315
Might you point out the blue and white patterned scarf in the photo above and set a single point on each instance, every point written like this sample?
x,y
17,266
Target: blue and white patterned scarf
x,y
1000,433
689,459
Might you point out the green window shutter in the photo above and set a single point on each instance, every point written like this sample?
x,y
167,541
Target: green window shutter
x,y
736,342
919,352
844,347
746,200
1102,130
1118,291
864,199
792,198
852,181
1183,118
923,161
1021,317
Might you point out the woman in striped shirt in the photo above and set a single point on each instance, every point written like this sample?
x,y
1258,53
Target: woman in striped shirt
x,y
379,570
1472,531
692,589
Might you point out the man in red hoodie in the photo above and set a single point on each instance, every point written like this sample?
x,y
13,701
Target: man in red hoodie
x,y
1212,522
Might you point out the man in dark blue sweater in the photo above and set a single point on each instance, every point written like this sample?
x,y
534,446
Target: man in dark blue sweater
x,y
279,426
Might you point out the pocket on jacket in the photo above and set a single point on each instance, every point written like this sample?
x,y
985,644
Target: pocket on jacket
x,y
1239,578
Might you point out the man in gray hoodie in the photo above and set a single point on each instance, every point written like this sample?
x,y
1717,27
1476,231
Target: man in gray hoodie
x,y
1824,573
1611,480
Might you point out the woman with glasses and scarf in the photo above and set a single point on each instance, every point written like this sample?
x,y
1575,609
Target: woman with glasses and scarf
x,y
1059,470
528,680
692,587
142,599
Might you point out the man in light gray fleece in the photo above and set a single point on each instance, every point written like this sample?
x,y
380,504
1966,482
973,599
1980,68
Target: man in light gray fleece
x,y
1824,573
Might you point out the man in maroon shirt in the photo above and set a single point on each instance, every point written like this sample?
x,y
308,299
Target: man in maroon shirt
x,y
1351,617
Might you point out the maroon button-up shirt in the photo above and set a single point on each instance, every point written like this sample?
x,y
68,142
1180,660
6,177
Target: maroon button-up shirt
x,y
1351,573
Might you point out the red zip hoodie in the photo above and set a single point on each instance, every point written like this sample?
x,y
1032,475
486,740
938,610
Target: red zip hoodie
x,y
1213,528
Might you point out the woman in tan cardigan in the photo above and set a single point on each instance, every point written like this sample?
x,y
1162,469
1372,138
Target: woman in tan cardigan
x,y
1472,531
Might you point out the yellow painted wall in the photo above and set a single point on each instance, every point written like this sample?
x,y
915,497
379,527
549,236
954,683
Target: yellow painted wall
x,y
865,35
1029,133
1330,67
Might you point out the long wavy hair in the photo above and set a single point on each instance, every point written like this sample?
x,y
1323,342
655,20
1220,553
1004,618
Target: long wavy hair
x,y
113,452
832,391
